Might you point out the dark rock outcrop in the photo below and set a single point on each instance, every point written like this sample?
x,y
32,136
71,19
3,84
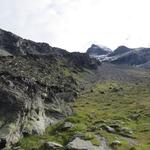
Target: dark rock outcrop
x,y
80,60
15,45
29,103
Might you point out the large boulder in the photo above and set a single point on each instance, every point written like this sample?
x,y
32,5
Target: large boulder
x,y
80,144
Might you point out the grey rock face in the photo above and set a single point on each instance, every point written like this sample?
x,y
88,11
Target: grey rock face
x,y
23,110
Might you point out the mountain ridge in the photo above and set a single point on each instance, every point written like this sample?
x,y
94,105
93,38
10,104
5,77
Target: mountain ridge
x,y
124,55
98,50
16,45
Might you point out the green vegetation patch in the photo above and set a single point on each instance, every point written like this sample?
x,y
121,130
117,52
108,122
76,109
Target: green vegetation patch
x,y
123,107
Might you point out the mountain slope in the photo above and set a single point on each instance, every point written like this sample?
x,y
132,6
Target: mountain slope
x,y
135,57
114,109
120,50
37,83
16,45
145,65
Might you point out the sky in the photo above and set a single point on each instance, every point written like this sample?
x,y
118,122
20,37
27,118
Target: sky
x,y
76,24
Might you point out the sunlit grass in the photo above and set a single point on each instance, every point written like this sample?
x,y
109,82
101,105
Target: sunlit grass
x,y
108,102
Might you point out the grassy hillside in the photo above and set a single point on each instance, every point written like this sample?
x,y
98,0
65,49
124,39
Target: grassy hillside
x,y
125,107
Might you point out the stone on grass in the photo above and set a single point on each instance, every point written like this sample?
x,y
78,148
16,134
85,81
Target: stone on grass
x,y
108,129
79,144
53,146
67,125
115,144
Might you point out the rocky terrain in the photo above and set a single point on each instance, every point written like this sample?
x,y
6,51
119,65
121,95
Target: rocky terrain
x,y
36,86
51,99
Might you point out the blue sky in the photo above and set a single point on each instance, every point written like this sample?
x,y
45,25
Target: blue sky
x,y
76,24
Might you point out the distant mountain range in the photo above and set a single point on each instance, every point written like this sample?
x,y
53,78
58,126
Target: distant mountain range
x,y
139,57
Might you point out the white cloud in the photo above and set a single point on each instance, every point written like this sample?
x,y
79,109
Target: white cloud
x,y
75,24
